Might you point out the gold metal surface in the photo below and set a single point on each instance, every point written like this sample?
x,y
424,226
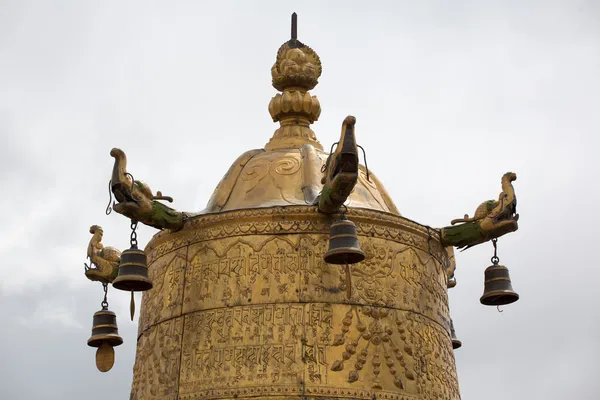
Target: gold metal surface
x,y
492,219
281,178
135,199
245,306
288,170
104,261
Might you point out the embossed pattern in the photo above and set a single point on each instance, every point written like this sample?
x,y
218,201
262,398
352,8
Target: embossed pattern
x,y
245,306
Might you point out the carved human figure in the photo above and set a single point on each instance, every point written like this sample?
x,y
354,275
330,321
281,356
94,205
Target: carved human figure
x,y
104,260
492,219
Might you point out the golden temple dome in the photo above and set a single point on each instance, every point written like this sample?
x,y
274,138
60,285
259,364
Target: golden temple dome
x,y
289,169
299,279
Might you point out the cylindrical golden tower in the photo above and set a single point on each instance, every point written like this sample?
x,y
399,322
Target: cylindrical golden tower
x,y
243,305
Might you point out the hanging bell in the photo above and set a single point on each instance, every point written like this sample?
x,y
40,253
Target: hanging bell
x,y
343,244
105,336
451,283
456,343
133,271
498,289
105,329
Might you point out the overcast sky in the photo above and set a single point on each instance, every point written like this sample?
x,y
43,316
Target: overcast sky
x,y
448,96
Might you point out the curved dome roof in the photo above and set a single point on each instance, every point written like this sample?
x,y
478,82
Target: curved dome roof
x,y
288,176
288,170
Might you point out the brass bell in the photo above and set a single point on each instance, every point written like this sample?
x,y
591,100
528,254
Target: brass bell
x,y
133,271
498,289
105,336
105,329
451,283
456,343
343,244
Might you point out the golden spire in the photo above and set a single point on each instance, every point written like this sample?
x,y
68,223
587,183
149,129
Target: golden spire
x,y
295,72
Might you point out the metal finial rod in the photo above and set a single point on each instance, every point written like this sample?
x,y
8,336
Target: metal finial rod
x,y
294,26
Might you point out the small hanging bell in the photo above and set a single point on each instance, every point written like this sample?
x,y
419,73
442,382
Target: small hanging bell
x,y
105,329
456,343
451,282
105,336
343,244
498,289
133,271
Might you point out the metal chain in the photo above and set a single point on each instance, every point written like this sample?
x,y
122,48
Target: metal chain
x,y
133,233
108,207
343,213
495,259
104,303
365,158
324,166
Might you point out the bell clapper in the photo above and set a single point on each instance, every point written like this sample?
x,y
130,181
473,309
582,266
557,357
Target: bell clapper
x,y
132,306
105,357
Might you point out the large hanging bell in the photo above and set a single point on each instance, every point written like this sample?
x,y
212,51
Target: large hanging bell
x,y
498,289
133,271
105,329
456,343
343,244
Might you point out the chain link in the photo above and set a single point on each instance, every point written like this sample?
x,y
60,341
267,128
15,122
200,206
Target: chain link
x,y
495,259
342,212
110,200
134,233
104,303
365,158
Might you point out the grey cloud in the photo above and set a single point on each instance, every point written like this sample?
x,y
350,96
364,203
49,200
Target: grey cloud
x,y
448,97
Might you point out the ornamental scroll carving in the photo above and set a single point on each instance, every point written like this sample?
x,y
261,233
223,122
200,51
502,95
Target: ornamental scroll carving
x,y
263,174
289,268
296,219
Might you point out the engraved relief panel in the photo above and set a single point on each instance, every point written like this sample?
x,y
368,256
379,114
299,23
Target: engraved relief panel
x,y
243,270
156,369
279,268
376,351
317,349
164,300
244,351
393,275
